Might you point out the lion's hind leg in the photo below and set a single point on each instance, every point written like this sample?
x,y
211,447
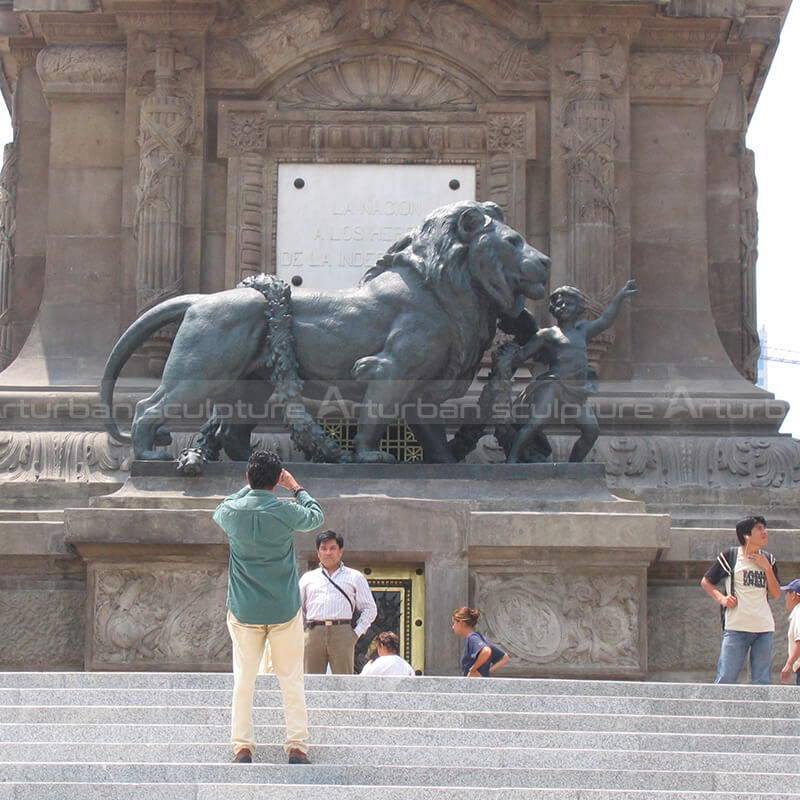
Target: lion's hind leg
x,y
145,428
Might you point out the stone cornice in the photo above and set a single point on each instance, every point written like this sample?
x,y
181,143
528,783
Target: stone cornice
x,y
24,49
80,29
583,19
152,16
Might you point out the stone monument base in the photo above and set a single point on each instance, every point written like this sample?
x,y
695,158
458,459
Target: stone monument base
x,y
556,563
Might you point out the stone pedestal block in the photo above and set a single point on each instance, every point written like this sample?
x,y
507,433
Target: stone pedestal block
x,y
521,542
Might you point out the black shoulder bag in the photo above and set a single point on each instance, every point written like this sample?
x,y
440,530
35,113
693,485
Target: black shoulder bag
x,y
354,615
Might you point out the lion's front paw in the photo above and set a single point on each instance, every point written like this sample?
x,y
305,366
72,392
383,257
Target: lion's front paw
x,y
374,457
191,462
370,368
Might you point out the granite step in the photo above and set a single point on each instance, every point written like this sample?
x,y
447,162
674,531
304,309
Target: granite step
x,y
149,715
419,754
157,735
301,791
404,701
414,685
564,777
341,735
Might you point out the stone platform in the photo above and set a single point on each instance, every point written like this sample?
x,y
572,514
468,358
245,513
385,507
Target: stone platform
x,y
544,550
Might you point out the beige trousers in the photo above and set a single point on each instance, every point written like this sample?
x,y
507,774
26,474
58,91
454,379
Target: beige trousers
x,y
335,644
285,642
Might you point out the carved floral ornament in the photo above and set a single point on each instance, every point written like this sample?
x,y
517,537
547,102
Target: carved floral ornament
x,y
506,133
89,69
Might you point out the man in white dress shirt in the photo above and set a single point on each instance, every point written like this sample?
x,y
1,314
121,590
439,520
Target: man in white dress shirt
x,y
331,597
388,661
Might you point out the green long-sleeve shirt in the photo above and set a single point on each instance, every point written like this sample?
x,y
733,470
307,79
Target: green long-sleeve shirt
x,y
262,576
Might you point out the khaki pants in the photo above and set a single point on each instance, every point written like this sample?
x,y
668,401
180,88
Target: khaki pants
x,y
335,644
286,645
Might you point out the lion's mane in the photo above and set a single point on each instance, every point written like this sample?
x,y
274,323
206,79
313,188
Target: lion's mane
x,y
435,251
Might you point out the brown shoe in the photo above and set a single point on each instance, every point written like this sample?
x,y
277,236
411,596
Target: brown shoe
x,y
298,757
244,756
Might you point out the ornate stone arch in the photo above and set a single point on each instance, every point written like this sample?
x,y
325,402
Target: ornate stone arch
x,y
342,106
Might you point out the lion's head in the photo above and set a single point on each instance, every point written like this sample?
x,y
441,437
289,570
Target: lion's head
x,y
476,266
468,246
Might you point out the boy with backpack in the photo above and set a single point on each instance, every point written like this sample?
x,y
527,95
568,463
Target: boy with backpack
x,y
750,574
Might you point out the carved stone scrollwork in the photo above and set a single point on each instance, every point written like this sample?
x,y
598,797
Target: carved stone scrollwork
x,y
672,461
76,457
82,69
164,616
675,77
577,620
377,81
8,226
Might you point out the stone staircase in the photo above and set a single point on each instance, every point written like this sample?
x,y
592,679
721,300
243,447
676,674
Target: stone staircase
x,y
164,735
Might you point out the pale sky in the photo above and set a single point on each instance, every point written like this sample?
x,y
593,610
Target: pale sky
x,y
772,135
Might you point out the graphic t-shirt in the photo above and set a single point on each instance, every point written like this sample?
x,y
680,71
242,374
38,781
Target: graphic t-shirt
x,y
752,613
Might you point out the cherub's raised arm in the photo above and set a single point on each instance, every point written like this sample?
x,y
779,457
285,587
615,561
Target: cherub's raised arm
x,y
606,319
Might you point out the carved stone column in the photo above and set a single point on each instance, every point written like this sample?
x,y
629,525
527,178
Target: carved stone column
x,y
166,128
590,195
588,136
732,223
8,210
164,135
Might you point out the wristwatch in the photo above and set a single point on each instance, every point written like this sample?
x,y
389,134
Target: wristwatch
x,y
297,489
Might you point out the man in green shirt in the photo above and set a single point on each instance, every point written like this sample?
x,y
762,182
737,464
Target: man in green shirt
x,y
264,599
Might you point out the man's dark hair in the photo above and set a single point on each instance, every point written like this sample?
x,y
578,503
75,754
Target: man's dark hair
x,y
264,469
745,526
326,536
390,641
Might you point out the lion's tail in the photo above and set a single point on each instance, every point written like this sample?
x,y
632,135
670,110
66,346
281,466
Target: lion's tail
x,y
140,331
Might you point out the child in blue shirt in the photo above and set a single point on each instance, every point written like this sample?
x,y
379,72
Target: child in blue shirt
x,y
481,658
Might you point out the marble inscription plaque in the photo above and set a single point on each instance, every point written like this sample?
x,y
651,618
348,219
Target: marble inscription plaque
x,y
336,220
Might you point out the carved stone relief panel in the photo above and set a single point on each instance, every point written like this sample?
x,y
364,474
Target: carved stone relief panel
x,y
461,34
675,77
581,623
168,616
82,70
43,625
684,631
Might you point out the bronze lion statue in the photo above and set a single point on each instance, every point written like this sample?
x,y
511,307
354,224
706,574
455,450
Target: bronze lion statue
x,y
414,329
